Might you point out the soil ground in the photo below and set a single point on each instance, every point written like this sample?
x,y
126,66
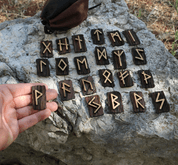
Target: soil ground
x,y
160,16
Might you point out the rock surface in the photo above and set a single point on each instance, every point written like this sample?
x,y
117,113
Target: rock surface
x,y
70,136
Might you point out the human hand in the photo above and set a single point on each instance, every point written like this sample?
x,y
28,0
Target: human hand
x,y
16,113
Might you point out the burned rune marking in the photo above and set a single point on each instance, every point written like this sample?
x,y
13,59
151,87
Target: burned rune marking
x,y
82,62
107,74
116,34
41,65
97,33
115,104
46,47
79,42
119,56
65,65
85,81
37,96
123,76
63,44
146,77
160,100
64,85
94,104
137,99
140,56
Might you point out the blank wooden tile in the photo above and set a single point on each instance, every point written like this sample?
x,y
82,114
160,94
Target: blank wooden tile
x,y
106,78
137,101
39,97
62,66
63,45
139,56
131,37
43,67
125,79
82,65
115,38
115,102
94,106
46,49
87,85
146,79
97,36
79,43
119,59
160,102
101,56
66,90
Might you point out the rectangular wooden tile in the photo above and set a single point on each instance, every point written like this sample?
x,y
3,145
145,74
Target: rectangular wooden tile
x,y
139,56
79,43
115,102
160,102
97,36
46,49
101,56
39,97
131,37
43,67
66,90
62,66
82,65
137,101
115,38
88,86
146,79
94,106
125,79
63,45
106,78
119,59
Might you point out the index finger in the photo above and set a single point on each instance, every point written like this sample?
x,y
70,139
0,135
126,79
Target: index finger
x,y
22,89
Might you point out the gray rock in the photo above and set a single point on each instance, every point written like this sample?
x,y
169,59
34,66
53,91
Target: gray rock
x,y
70,136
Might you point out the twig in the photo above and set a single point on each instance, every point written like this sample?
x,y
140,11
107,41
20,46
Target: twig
x,y
16,15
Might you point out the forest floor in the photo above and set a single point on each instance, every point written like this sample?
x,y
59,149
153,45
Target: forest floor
x,y
160,16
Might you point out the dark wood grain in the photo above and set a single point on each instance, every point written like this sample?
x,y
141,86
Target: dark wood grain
x,y
137,101
119,59
115,102
79,43
97,36
39,97
115,38
94,105
66,90
43,67
139,56
160,102
63,45
101,56
46,49
62,66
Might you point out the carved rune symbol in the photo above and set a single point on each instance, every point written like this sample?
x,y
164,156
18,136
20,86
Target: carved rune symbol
x,y
37,96
97,33
94,104
132,36
46,47
83,82
119,55
83,61
64,88
137,99
41,65
79,41
107,76
123,76
63,44
161,100
116,34
113,100
138,51
59,65
101,54
146,77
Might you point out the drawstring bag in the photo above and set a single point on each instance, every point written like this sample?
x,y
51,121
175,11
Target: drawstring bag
x,y
63,15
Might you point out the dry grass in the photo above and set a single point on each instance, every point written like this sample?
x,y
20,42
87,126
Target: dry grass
x,y
159,15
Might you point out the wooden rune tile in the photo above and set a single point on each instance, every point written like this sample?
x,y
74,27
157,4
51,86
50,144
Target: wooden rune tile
x,y
139,56
106,78
137,101
146,79
125,79
160,102
39,97
131,37
115,102
97,36
115,38
82,65
46,49
63,45
94,106
62,66
79,43
88,86
101,56
43,67
119,59
66,90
